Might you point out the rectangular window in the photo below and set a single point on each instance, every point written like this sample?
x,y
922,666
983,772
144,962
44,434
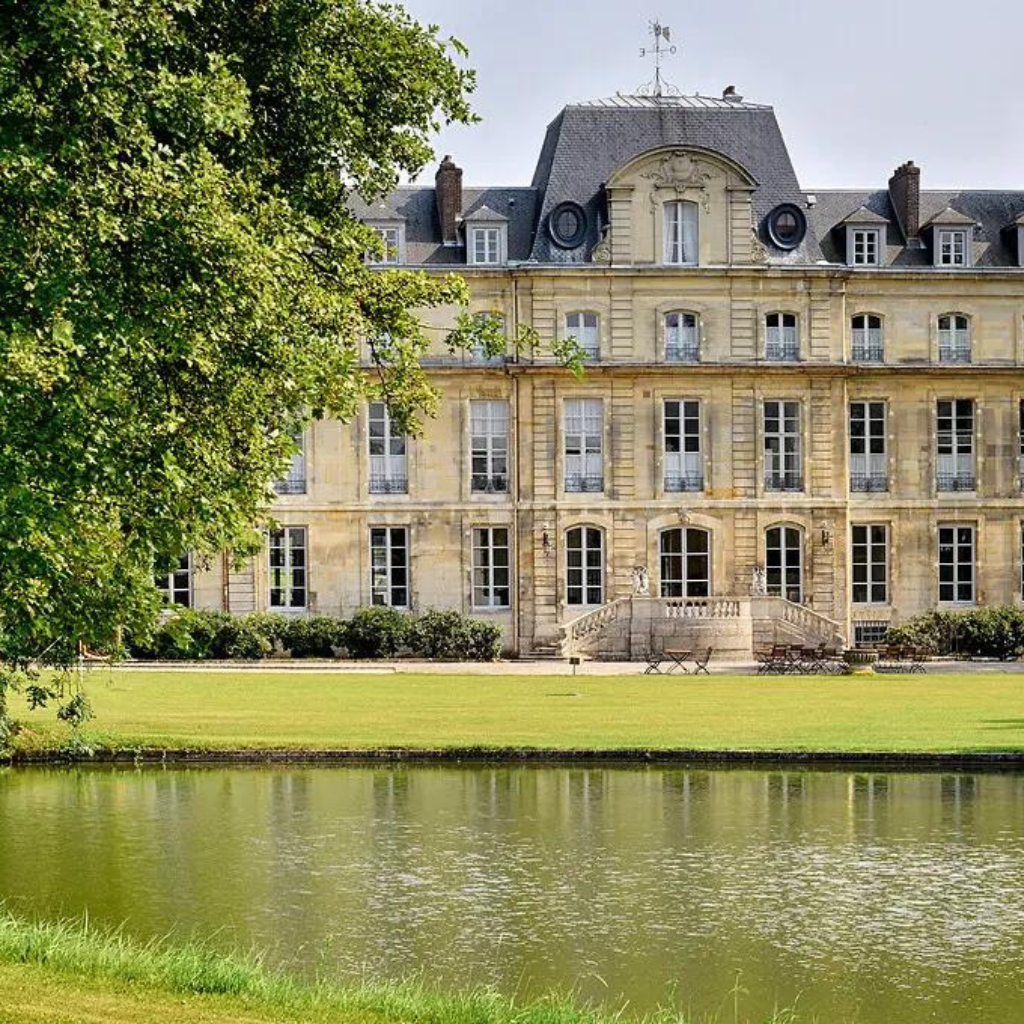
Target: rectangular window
x,y
488,427
294,482
682,338
869,633
955,443
389,566
392,238
782,343
176,586
584,442
680,229
869,469
871,564
865,247
491,567
952,248
956,564
486,245
684,469
585,328
782,448
388,473
288,564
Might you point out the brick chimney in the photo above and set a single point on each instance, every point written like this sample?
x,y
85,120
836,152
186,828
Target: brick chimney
x,y
905,196
448,190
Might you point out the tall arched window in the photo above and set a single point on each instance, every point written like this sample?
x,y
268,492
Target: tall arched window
x,y
954,338
682,338
685,562
584,565
680,233
781,340
784,562
866,331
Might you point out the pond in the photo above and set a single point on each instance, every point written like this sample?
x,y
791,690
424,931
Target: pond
x,y
879,897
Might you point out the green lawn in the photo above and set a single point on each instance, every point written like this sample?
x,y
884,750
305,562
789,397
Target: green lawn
x,y
335,710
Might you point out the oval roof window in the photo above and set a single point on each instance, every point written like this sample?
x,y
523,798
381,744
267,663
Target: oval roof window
x,y
567,225
787,226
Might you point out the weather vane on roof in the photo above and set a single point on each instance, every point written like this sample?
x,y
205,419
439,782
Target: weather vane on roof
x,y
663,45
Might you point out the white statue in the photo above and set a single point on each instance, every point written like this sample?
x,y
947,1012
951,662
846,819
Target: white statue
x,y
759,584
641,581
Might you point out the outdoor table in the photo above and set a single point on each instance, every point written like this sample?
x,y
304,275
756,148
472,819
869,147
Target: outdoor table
x,y
676,659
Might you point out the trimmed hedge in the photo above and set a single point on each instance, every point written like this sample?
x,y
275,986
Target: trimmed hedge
x,y
191,635
981,633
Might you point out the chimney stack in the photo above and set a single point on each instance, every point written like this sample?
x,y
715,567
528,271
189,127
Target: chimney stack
x,y
730,95
905,196
448,190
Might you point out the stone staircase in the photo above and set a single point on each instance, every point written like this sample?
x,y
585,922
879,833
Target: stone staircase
x,y
630,627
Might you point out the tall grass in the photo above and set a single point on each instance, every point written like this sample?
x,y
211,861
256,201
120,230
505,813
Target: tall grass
x,y
79,949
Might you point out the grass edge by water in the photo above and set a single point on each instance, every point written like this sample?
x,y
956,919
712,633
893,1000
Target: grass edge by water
x,y
71,950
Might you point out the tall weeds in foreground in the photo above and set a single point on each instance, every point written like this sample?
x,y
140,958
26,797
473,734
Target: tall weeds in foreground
x,y
80,949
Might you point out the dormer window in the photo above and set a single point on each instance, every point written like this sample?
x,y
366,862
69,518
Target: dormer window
x,y
485,245
393,237
680,233
865,246
951,247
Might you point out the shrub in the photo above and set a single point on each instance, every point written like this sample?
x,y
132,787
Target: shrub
x,y
984,632
185,635
314,637
451,635
377,632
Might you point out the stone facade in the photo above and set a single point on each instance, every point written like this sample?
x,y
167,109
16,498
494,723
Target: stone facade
x,y
731,287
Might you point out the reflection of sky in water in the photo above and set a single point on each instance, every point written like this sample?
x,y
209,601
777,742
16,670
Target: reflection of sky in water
x,y
892,898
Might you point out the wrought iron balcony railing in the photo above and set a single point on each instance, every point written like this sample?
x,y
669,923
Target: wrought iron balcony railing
x,y
495,484
779,352
955,482
866,352
678,482
584,484
783,482
682,354
389,484
869,482
290,485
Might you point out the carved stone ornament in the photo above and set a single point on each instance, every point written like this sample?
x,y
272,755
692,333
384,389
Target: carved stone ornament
x,y
641,581
676,173
602,252
758,253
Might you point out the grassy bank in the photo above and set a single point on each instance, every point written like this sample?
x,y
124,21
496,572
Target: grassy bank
x,y
68,973
242,710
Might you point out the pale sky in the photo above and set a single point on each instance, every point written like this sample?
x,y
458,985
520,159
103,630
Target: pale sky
x,y
858,87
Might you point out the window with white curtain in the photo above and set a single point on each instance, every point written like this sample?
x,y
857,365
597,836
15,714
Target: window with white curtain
x,y
955,444
781,341
866,329
388,471
295,480
389,566
682,338
956,564
680,233
584,443
783,459
488,425
954,338
683,462
869,470
586,329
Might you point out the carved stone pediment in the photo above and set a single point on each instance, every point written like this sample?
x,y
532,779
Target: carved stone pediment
x,y
677,172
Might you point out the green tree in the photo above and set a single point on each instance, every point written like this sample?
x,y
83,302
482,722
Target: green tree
x,y
181,285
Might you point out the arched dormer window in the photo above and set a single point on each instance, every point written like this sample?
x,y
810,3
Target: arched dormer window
x,y
584,565
682,337
680,233
866,335
954,338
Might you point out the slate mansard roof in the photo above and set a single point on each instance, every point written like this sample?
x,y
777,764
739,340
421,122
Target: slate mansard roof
x,y
587,142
